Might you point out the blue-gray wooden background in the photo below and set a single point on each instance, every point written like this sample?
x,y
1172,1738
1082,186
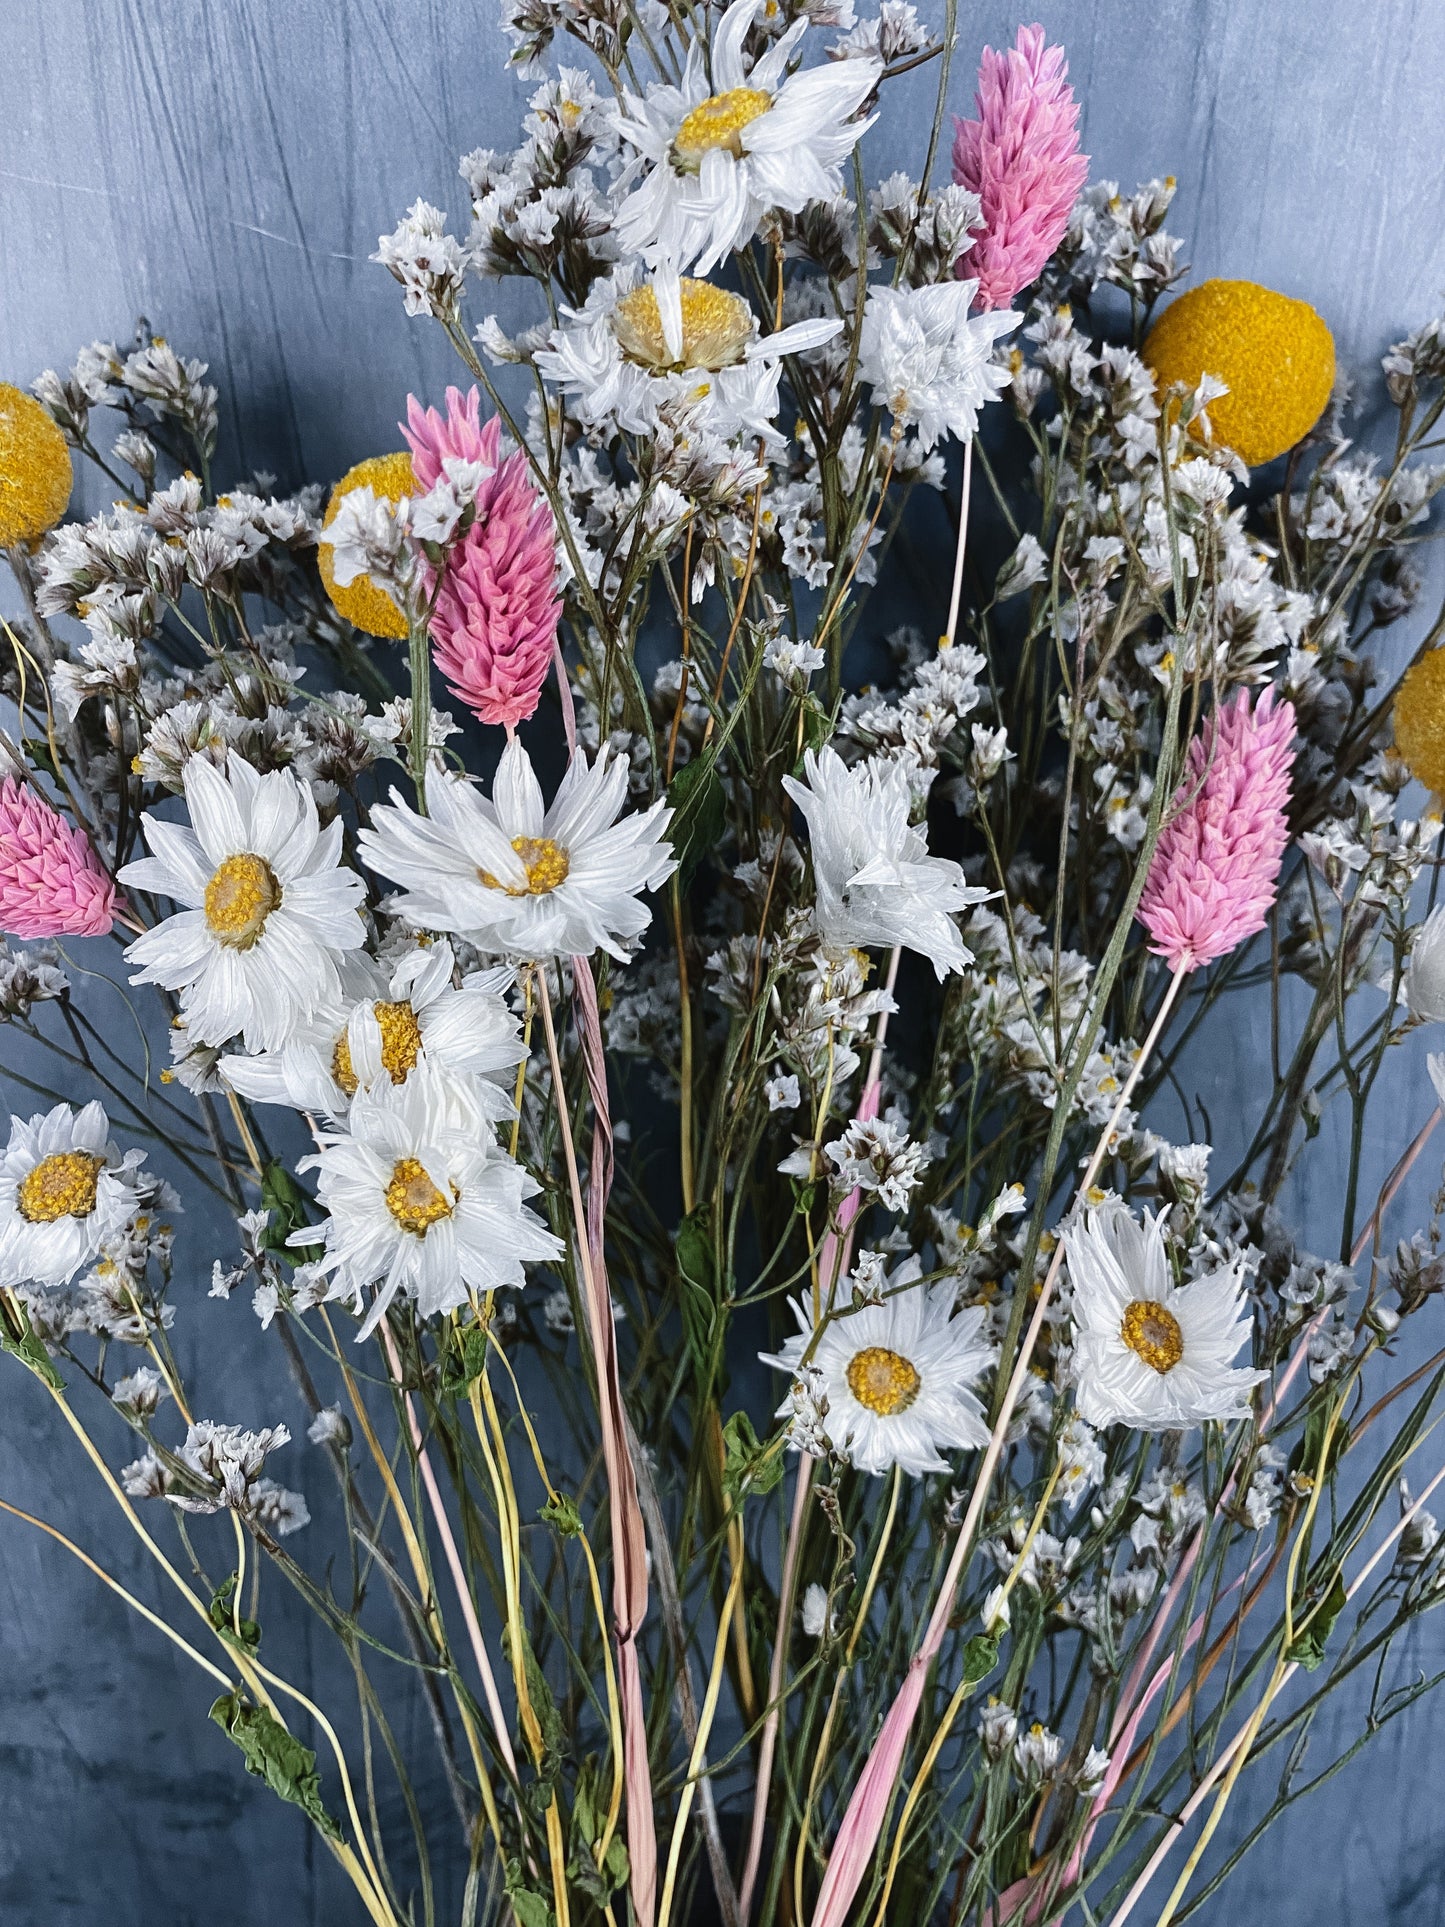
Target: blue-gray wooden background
x,y
224,167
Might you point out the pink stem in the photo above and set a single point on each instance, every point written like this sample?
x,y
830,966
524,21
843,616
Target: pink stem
x,y
459,1577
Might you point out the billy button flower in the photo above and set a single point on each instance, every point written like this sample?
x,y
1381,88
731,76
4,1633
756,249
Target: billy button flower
x,y
1276,356
35,472
361,602
1420,720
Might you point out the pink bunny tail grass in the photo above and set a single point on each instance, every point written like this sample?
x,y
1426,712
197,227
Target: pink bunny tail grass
x,y
1021,158
1216,866
868,1808
494,623
51,882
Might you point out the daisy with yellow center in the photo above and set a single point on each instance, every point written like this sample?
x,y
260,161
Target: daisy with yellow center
x,y
381,1025
1148,1353
898,1377
64,1189
516,877
267,912
35,472
1275,355
714,153
421,1201
389,477
642,344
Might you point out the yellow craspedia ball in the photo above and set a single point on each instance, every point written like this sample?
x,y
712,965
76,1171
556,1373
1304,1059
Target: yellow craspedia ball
x,y
1420,720
361,602
1276,355
34,470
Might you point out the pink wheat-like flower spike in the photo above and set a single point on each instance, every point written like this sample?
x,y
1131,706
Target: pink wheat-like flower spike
x,y
51,881
495,620
1216,865
1021,158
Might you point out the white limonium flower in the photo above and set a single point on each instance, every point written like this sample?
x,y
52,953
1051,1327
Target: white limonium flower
x,y
875,881
641,343
1149,1354
517,877
64,1189
897,1377
383,1026
268,913
713,156
1425,978
929,361
421,1201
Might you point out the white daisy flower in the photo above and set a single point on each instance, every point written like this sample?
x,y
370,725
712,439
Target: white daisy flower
x,y
897,1377
267,914
713,156
874,879
64,1190
1425,977
929,361
518,878
1147,1353
641,344
379,1025
421,1200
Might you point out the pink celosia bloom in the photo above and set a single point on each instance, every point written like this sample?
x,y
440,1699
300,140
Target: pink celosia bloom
x,y
1216,865
495,621
1021,158
51,882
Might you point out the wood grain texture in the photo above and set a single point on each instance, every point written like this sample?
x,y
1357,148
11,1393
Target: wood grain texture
x,y
225,170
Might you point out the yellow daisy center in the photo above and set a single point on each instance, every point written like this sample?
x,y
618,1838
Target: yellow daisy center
x,y
35,473
1420,720
718,122
61,1186
400,1046
544,861
361,602
1276,356
883,1380
413,1200
716,327
240,896
1152,1331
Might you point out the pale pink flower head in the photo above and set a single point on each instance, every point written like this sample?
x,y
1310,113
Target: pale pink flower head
x,y
1216,864
1021,158
494,625
51,881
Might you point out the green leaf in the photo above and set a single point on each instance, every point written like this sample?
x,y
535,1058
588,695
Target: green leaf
x,y
531,1908
467,1363
698,1278
699,815
562,1513
223,1618
38,751
289,1207
28,1348
748,1466
980,1656
1306,1454
1309,1649
275,1756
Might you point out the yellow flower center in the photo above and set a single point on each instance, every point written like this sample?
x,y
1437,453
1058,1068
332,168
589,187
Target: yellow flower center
x,y
718,122
716,328
1420,720
61,1186
413,1200
34,469
361,602
882,1380
239,897
544,861
400,1046
1153,1332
